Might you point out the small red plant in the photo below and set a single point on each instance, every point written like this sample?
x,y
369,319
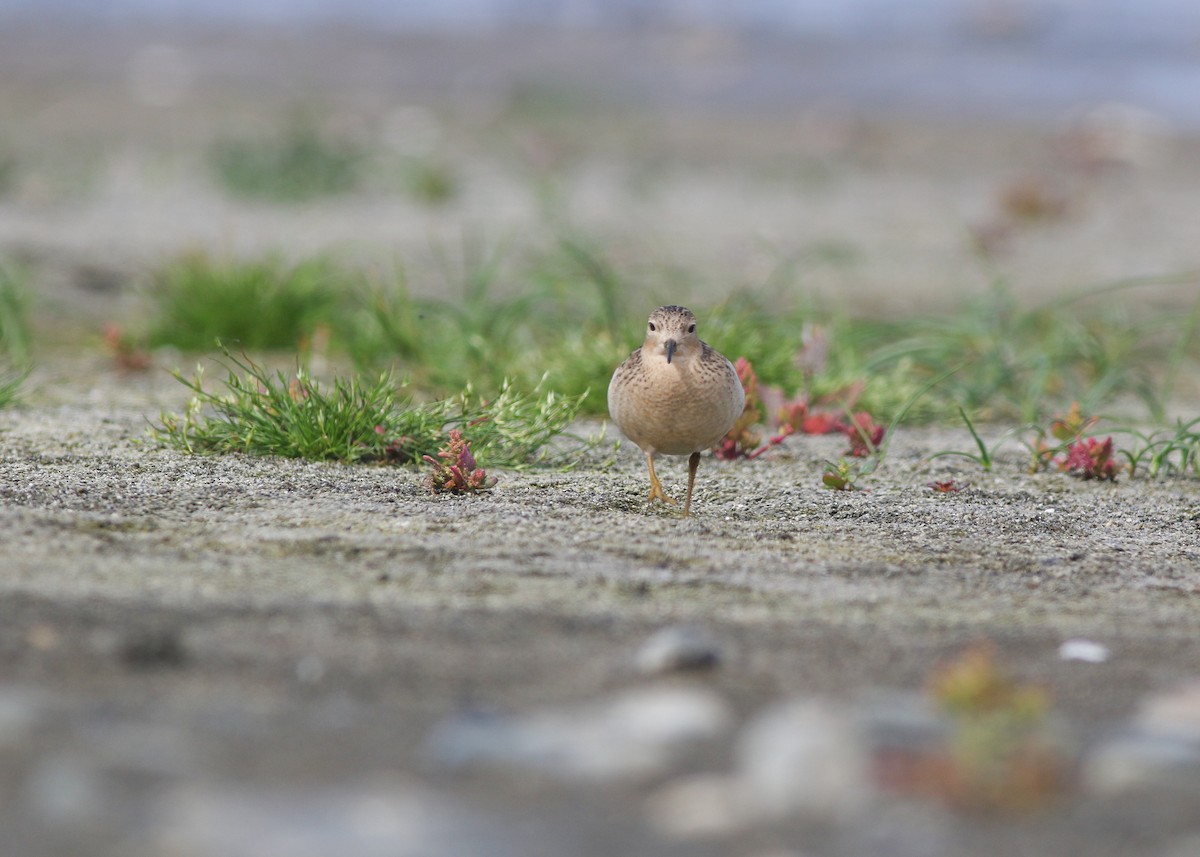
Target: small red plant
x,y
947,487
1068,430
793,416
730,450
865,436
999,752
792,413
1088,458
798,415
126,352
742,441
822,423
456,472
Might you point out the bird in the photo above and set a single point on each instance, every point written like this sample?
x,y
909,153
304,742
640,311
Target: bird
x,y
675,395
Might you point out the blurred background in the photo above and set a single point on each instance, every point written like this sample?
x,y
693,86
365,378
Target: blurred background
x,y
881,156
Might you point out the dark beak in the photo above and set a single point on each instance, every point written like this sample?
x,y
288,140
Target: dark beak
x,y
671,346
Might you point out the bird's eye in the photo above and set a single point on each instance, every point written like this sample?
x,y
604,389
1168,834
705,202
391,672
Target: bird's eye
x,y
691,328
652,327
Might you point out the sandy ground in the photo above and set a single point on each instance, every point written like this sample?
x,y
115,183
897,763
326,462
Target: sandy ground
x,y
233,656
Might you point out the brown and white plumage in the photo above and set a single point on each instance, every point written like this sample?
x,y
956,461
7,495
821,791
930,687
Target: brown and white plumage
x,y
676,395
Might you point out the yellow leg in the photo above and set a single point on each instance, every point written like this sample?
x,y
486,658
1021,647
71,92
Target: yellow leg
x,y
656,489
693,463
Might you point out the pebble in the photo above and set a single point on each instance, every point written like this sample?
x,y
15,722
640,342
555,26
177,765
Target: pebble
x,y
1087,651
801,758
150,649
636,734
805,757
677,649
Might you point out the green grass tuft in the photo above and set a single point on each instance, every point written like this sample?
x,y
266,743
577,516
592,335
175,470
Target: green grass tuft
x,y
300,165
431,182
14,332
14,313
11,381
261,304
1021,362
355,420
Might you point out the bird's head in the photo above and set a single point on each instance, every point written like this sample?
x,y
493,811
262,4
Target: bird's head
x,y
671,332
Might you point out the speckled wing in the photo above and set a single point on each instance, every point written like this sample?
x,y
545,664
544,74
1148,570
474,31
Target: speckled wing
x,y
618,386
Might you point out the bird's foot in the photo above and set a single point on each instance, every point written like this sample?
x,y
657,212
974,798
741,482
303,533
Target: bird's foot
x,y
656,489
657,493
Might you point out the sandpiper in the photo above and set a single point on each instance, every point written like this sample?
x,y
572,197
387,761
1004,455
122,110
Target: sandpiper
x,y
676,395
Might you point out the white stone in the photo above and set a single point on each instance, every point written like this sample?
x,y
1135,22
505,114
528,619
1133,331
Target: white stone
x,y
634,735
806,757
1087,651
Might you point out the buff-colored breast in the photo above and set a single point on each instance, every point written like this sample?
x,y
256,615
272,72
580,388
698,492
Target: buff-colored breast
x,y
675,408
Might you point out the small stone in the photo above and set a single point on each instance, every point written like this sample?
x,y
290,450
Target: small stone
x,y
1087,651
153,649
678,649
804,757
634,735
